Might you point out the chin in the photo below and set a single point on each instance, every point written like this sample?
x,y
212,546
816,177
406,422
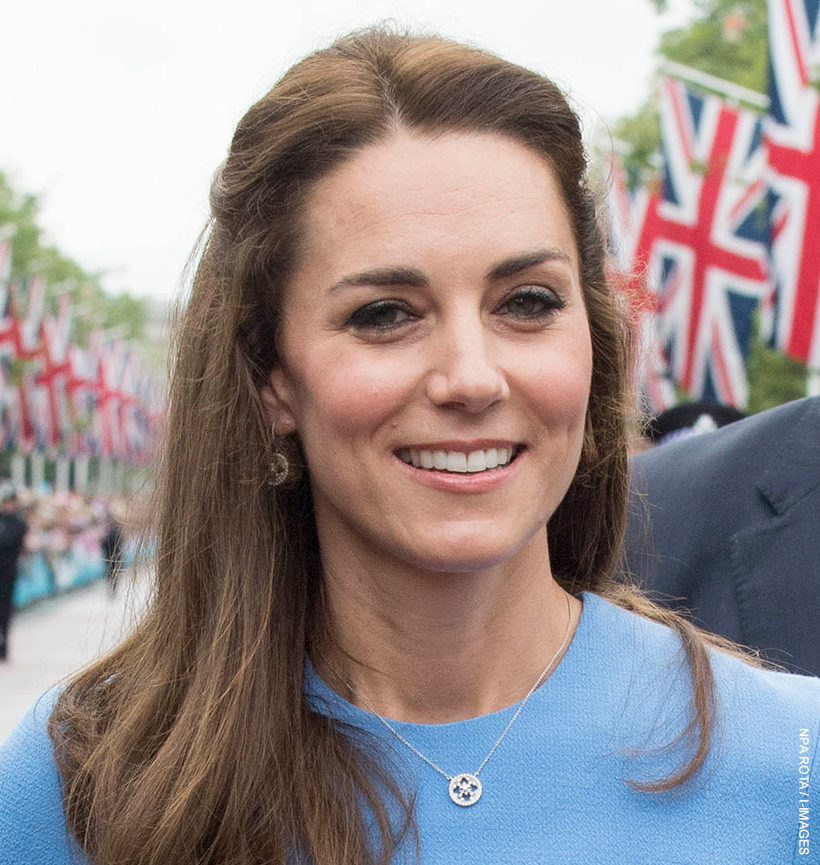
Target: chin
x,y
463,546
463,555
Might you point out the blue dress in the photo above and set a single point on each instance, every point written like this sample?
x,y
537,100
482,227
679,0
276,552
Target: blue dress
x,y
555,790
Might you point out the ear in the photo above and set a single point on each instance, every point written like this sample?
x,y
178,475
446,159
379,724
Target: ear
x,y
278,397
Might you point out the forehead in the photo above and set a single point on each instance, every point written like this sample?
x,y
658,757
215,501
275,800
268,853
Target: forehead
x,y
456,195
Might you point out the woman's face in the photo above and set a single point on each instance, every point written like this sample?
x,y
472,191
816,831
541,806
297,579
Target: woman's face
x,y
434,328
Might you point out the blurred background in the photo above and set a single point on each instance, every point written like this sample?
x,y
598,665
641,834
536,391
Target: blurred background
x,y
700,120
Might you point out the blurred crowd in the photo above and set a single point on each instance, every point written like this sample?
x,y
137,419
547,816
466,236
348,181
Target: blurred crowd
x,y
53,542
61,522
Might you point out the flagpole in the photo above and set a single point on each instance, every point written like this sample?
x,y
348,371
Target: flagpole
x,y
63,471
105,480
813,382
38,471
719,85
18,470
81,473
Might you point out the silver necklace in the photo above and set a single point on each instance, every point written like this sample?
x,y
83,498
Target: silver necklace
x,y
465,788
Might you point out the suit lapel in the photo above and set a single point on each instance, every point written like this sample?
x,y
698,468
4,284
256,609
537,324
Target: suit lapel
x,y
793,469
774,563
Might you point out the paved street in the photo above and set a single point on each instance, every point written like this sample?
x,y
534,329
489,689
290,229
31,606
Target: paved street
x,y
57,636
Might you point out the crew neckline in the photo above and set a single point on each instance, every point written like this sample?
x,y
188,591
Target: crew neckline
x,y
326,701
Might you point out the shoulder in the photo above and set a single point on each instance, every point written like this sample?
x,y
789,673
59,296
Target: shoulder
x,y
756,707
778,711
689,497
655,646
769,435
764,742
32,823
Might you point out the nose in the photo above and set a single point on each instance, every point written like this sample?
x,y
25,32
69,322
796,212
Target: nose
x,y
465,373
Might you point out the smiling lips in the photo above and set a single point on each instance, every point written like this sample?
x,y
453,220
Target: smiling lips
x,y
459,461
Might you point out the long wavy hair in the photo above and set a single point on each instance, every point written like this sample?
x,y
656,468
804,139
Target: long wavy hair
x,y
192,741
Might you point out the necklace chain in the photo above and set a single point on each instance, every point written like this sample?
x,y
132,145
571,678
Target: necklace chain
x,y
498,741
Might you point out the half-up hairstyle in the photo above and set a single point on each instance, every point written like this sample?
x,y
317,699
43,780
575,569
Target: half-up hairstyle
x,y
192,742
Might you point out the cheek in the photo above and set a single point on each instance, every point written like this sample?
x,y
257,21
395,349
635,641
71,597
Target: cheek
x,y
348,394
560,400
561,383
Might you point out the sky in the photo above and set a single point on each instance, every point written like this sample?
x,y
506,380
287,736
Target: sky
x,y
116,114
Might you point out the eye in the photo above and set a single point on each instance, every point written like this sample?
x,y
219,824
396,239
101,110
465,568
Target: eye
x,y
381,316
532,304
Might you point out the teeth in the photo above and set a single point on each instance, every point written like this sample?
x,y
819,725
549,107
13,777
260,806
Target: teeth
x,y
476,462
457,461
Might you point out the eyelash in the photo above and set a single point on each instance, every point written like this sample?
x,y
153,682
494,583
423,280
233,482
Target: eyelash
x,y
365,318
552,303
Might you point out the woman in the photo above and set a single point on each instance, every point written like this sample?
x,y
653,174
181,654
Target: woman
x,y
401,362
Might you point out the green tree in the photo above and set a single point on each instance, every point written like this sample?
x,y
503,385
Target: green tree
x,y
727,40
774,378
641,132
713,44
31,256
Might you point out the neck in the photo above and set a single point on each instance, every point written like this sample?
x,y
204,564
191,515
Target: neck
x,y
431,647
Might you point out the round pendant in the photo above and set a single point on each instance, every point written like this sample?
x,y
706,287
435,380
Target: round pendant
x,y
465,789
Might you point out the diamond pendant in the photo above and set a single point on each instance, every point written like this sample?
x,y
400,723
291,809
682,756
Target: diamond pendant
x,y
465,789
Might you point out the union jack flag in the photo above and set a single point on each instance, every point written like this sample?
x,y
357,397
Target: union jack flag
x,y
704,240
110,365
8,394
82,384
627,206
20,340
133,422
55,394
792,130
55,372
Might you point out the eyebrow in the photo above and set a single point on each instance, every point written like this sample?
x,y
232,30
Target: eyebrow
x,y
409,276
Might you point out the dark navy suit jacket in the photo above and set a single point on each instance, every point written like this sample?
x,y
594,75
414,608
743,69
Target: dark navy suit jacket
x,y
732,531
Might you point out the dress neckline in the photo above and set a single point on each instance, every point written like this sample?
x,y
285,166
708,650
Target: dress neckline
x,y
325,700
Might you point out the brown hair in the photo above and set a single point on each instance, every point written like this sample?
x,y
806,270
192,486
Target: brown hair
x,y
192,742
